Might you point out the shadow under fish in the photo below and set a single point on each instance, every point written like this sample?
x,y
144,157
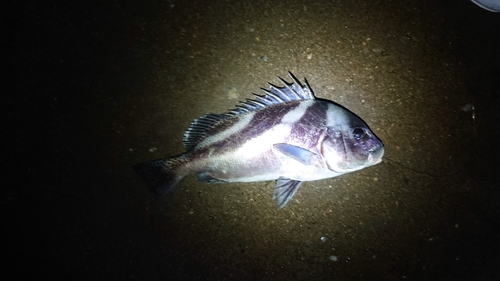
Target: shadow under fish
x,y
286,135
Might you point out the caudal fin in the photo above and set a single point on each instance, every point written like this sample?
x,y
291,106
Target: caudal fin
x,y
159,175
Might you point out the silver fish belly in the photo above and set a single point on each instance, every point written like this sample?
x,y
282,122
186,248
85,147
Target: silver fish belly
x,y
285,135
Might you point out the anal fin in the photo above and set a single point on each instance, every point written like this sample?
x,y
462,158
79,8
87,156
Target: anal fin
x,y
206,177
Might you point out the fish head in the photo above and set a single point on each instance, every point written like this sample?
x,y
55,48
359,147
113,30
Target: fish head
x,y
349,145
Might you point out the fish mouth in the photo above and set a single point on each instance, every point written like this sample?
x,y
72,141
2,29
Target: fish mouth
x,y
376,155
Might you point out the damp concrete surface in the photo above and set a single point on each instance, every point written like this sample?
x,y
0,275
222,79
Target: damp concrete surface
x,y
92,89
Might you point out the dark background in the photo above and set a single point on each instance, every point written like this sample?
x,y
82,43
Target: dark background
x,y
93,88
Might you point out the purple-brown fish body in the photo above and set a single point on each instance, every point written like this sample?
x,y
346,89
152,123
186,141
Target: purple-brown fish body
x,y
285,135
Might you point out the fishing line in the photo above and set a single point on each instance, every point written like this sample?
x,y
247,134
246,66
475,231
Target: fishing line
x,y
467,108
390,161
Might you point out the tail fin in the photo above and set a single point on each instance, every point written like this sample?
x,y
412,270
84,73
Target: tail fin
x,y
160,175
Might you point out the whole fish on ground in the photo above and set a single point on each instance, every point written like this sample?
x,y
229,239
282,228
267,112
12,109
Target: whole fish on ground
x,y
286,135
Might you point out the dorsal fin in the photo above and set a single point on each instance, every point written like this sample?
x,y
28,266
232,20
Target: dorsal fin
x,y
202,126
289,92
199,128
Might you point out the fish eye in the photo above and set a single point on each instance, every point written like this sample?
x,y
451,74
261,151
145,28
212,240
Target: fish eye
x,y
358,133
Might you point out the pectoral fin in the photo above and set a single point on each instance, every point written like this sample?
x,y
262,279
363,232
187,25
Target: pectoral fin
x,y
284,191
300,154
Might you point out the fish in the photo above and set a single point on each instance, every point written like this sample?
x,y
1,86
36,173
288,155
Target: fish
x,y
286,135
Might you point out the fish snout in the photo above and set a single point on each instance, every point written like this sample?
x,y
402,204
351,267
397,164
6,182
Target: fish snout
x,y
376,156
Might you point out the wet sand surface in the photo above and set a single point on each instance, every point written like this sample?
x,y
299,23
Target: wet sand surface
x,y
94,88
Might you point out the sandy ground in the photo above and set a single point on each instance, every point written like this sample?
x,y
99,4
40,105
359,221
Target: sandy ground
x,y
94,89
